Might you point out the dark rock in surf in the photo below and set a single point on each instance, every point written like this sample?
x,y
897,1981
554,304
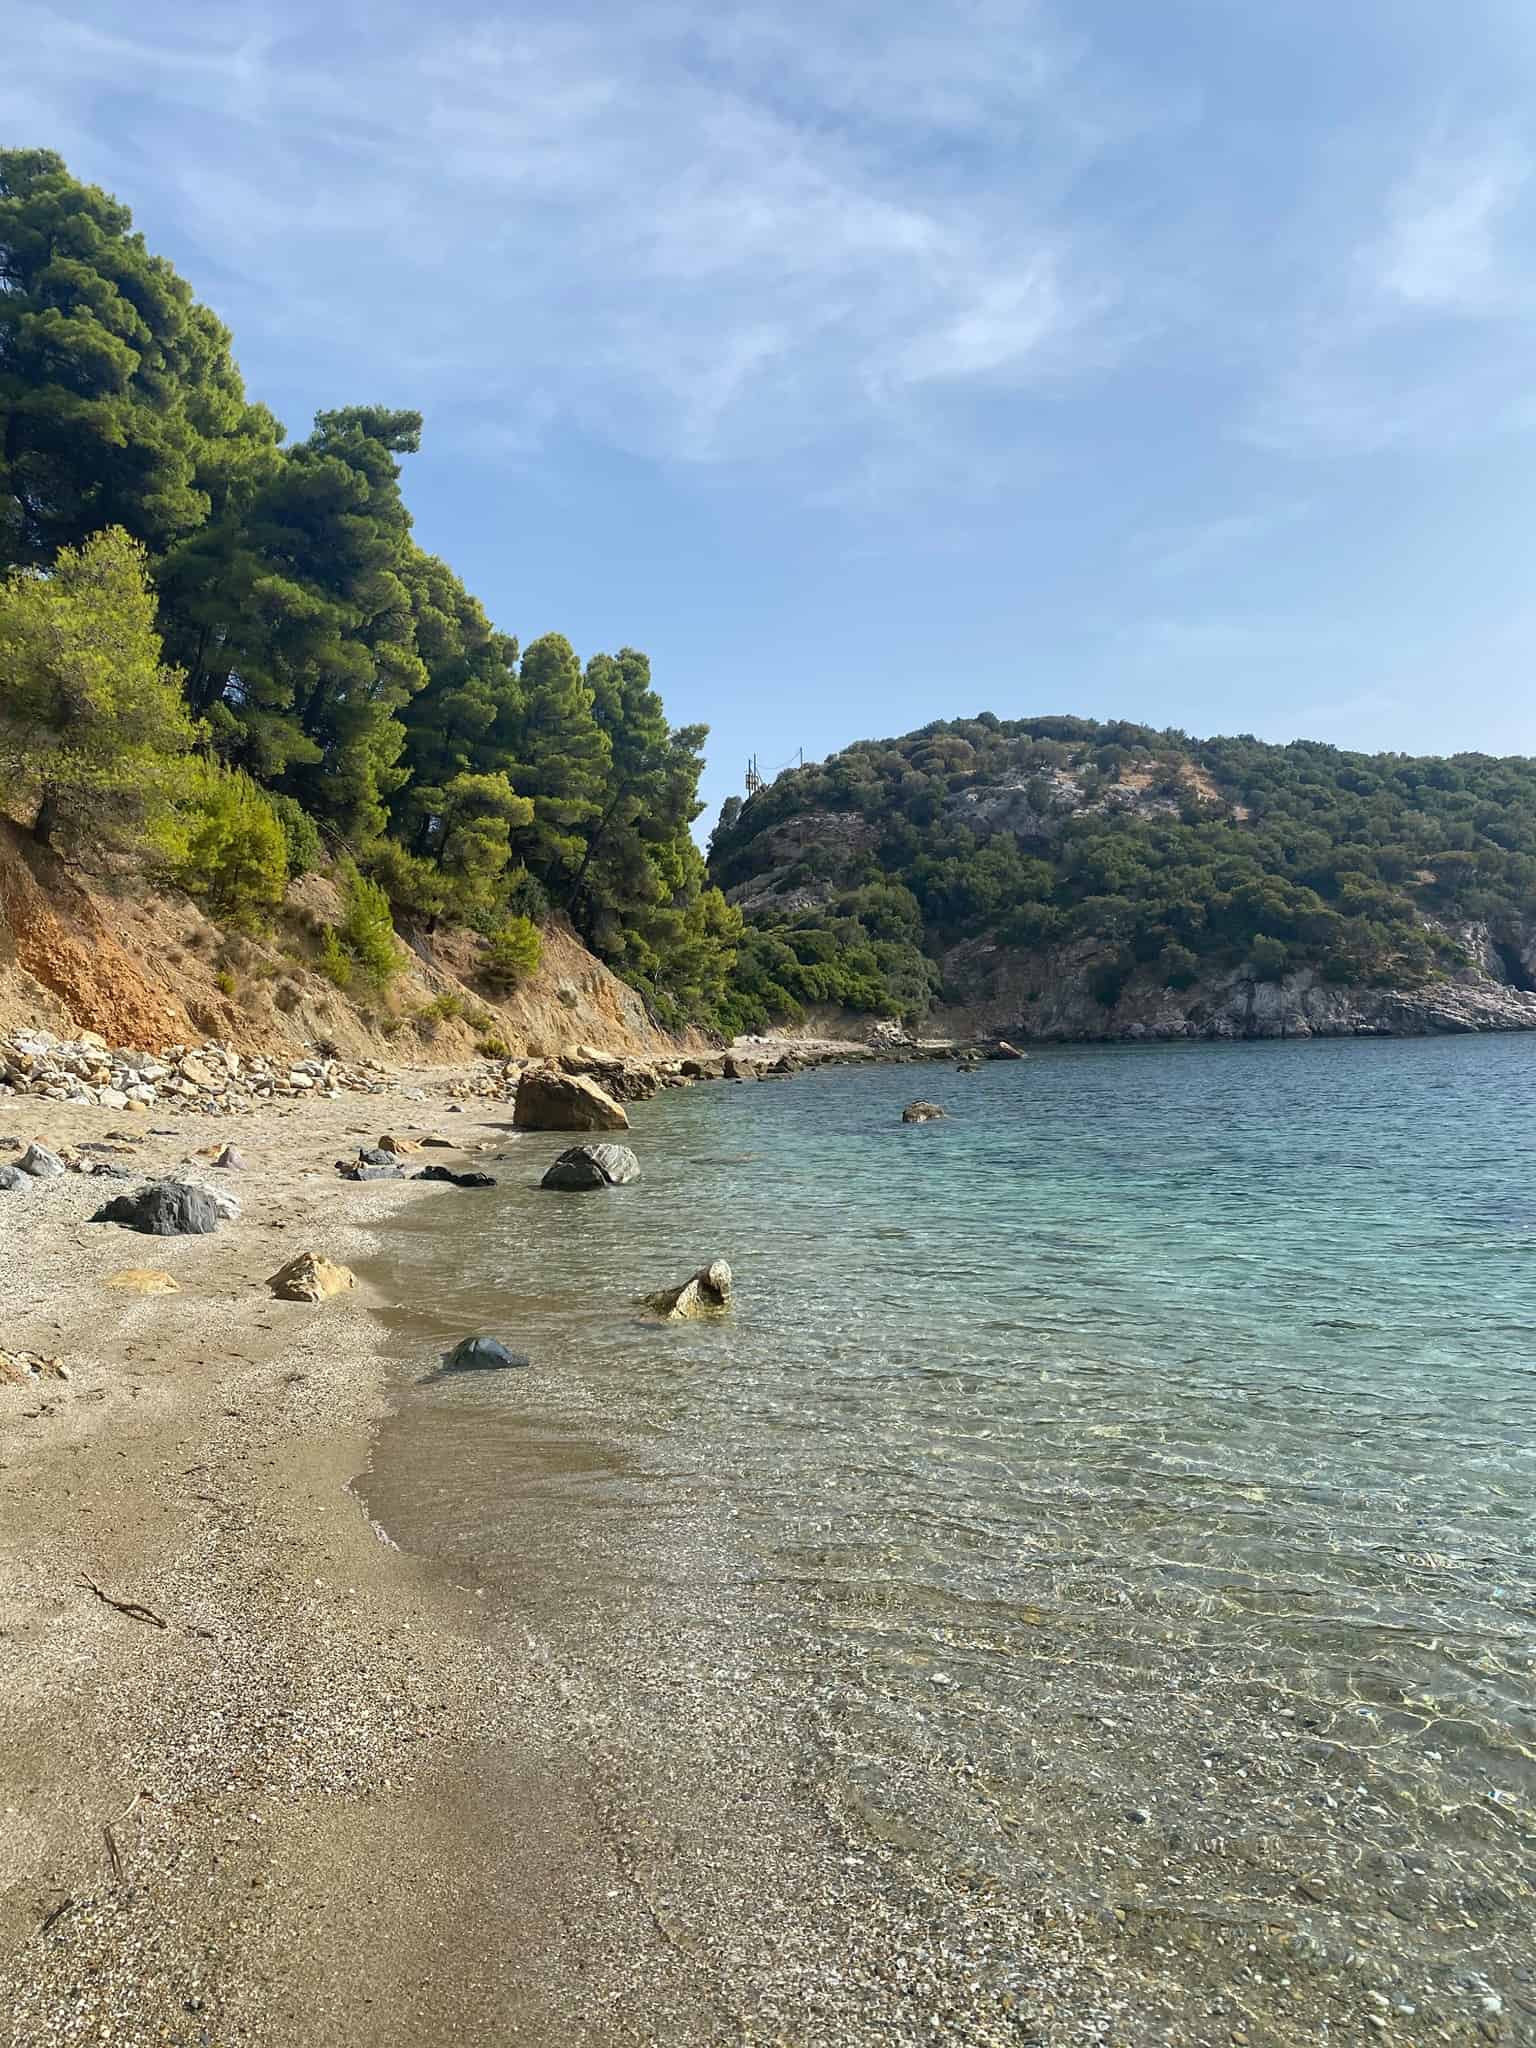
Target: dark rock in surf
x,y
593,1166
457,1180
922,1113
483,1354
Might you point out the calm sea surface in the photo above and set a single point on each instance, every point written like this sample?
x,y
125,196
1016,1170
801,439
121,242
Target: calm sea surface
x,y
1127,1486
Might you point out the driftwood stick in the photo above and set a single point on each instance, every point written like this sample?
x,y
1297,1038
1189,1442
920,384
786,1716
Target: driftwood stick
x,y
131,1608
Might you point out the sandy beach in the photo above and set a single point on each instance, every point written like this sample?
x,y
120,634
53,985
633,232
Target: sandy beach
x,y
293,1797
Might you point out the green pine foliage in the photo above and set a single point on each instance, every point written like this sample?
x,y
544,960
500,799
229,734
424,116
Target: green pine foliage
x,y
93,725
512,955
223,842
321,652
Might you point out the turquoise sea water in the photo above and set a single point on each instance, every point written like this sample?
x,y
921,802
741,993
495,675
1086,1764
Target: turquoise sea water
x,y
1127,1485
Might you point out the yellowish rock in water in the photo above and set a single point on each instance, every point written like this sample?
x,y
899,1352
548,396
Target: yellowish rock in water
x,y
705,1293
143,1280
310,1278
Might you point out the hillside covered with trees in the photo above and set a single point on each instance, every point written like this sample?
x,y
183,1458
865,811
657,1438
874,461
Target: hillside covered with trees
x,y
230,648
1129,852
225,651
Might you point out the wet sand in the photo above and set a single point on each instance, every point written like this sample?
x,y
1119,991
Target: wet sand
x,y
311,1800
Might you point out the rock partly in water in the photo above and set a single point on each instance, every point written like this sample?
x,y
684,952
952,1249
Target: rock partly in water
x,y
1004,1051
593,1166
922,1113
309,1277
551,1101
166,1208
143,1280
705,1293
40,1162
458,1180
482,1354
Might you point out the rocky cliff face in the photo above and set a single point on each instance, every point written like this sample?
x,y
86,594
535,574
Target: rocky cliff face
x,y
1047,996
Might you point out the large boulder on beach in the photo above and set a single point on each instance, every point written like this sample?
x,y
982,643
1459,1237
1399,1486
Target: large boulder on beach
x,y
593,1166
309,1277
228,1205
483,1354
165,1208
551,1101
705,1293
42,1164
922,1113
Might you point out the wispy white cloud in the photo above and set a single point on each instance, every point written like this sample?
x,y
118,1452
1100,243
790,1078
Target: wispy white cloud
x,y
1190,549
714,233
1419,326
1441,249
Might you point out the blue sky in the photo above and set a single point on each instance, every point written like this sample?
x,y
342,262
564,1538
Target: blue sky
x,y
870,361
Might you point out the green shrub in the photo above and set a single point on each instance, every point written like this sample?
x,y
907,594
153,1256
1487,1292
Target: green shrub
x,y
335,962
222,842
513,954
224,981
493,1048
301,835
368,930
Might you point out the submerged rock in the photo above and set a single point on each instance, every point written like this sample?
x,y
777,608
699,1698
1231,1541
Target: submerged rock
x,y
309,1277
166,1208
483,1354
551,1101
593,1166
705,1293
922,1112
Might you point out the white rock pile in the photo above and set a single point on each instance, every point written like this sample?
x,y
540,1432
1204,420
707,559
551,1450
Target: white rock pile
x,y
207,1078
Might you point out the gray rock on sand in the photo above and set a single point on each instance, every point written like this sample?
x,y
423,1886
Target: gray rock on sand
x,y
165,1208
482,1354
551,1101
13,1180
231,1159
42,1164
705,1293
593,1166
228,1205
922,1113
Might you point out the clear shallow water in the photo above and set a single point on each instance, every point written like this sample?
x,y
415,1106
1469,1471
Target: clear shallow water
x,y
1126,1486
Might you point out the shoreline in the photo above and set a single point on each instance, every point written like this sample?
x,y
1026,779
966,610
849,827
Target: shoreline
x,y
313,1798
